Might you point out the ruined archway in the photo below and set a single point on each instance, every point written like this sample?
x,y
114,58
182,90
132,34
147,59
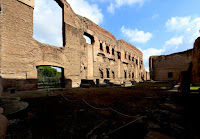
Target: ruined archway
x,y
50,77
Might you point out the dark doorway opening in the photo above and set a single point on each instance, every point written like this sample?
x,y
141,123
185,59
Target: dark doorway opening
x,y
125,74
50,77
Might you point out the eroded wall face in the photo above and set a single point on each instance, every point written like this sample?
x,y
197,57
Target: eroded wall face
x,y
17,29
21,54
165,68
196,62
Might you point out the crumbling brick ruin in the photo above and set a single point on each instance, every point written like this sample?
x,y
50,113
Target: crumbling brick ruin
x,y
20,54
196,62
169,67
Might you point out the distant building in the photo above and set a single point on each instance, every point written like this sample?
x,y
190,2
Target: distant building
x,y
169,67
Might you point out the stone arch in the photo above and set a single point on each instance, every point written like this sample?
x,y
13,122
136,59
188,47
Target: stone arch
x,y
44,63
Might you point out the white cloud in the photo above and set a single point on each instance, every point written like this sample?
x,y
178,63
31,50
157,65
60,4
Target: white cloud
x,y
150,52
188,27
48,19
175,41
187,30
176,23
47,22
118,3
91,11
111,8
136,35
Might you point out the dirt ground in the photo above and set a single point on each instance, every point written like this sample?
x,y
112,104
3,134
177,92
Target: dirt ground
x,y
106,113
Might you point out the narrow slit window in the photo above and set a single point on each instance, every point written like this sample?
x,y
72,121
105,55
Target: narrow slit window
x,y
113,51
119,55
0,8
101,46
107,49
108,74
125,74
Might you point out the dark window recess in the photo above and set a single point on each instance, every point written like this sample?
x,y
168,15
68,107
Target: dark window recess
x,y
170,74
133,59
101,46
107,50
113,51
113,73
133,75
125,55
101,74
140,66
136,61
125,74
108,74
129,75
0,8
129,57
119,55
141,62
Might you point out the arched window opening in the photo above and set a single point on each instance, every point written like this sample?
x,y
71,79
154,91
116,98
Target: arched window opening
x,y
133,59
89,38
50,77
48,22
125,55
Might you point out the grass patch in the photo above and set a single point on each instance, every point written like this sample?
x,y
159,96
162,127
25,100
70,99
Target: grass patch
x,y
194,87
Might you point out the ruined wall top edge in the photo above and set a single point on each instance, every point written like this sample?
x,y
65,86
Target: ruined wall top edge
x,y
189,51
28,2
126,44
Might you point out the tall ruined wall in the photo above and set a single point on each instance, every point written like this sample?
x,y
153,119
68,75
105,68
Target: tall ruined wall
x,y
20,54
1,86
17,32
196,62
168,67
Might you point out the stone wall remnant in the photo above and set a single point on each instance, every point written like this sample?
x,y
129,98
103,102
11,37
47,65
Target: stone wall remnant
x,y
20,53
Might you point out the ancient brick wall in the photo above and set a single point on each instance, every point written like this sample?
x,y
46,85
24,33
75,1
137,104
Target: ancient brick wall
x,y
20,54
168,67
196,62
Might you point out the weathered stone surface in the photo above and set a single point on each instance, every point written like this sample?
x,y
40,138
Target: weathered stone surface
x,y
14,107
161,67
196,62
1,110
22,54
157,135
3,126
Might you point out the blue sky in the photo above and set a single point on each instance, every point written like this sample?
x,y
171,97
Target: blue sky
x,y
154,26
